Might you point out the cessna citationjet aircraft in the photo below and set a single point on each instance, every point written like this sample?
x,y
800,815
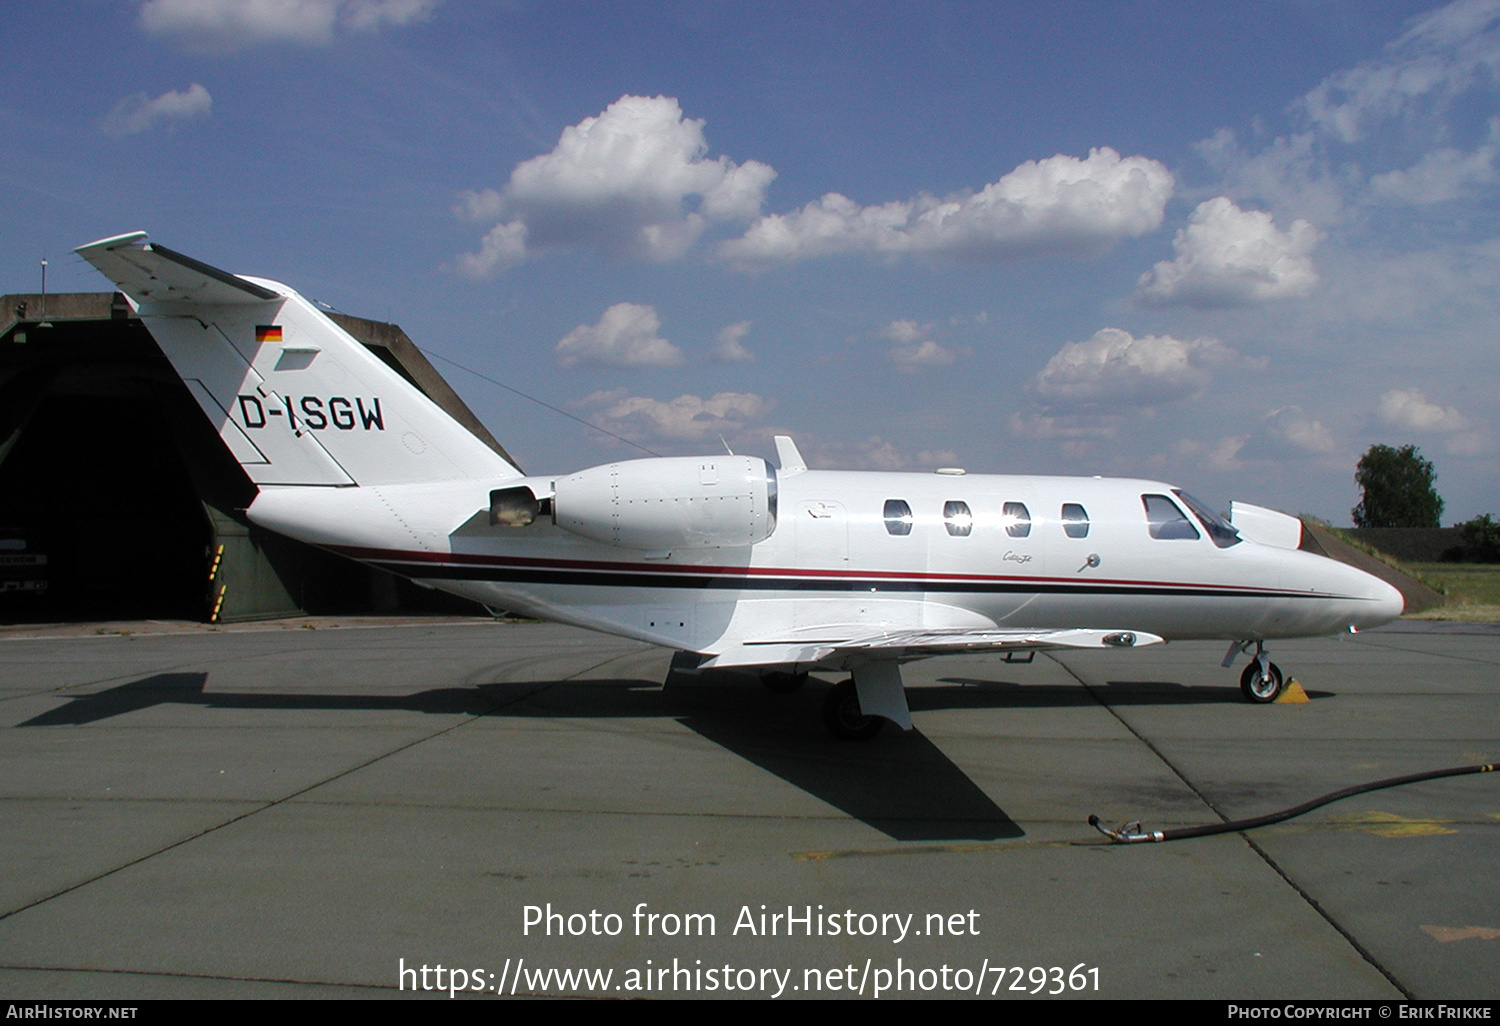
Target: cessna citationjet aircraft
x,y
725,558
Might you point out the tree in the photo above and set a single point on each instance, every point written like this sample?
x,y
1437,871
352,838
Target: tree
x,y
1398,489
1481,539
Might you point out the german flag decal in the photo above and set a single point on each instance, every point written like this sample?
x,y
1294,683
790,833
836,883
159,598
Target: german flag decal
x,y
268,333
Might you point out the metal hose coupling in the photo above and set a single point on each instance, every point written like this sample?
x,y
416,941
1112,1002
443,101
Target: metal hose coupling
x,y
1128,833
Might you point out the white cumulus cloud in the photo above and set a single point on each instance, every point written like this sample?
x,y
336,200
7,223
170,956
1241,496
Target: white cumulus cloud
x,y
914,348
1409,408
1222,455
688,418
1292,431
873,453
731,347
1062,204
925,353
624,337
1114,369
220,26
633,183
140,112
1232,257
904,333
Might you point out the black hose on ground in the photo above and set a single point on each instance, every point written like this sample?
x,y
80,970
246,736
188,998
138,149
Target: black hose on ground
x,y
1131,833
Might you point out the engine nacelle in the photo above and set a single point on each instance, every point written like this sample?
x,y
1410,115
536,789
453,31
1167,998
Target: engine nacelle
x,y
659,505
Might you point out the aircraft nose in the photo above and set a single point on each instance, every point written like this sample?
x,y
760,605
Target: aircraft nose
x,y
1384,603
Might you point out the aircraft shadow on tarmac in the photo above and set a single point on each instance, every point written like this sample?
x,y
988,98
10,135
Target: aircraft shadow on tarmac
x,y
992,694
900,784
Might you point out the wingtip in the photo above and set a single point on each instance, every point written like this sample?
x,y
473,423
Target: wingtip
x,y
113,242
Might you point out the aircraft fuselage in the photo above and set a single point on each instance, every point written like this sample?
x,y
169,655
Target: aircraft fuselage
x,y
857,553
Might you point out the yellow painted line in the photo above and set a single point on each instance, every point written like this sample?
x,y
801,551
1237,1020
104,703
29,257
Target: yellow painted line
x,y
1388,824
1447,934
1292,694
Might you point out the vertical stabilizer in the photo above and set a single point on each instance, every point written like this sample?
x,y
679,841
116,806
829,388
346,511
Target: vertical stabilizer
x,y
295,398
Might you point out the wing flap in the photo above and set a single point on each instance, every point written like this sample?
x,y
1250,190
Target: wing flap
x,y
916,644
954,640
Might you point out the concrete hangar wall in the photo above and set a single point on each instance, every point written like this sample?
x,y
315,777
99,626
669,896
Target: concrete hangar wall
x,y
117,500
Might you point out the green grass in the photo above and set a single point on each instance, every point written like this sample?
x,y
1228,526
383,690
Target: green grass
x,y
1473,590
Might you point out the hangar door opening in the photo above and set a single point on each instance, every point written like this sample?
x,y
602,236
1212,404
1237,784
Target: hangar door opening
x,y
96,485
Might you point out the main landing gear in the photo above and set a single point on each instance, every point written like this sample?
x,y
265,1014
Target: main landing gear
x,y
843,717
1262,681
855,709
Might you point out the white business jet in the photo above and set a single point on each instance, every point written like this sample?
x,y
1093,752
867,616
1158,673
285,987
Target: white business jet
x,y
727,559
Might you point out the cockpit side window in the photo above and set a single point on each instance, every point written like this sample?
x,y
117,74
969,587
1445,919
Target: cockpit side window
x,y
1219,529
1017,520
957,519
1075,520
1166,520
897,516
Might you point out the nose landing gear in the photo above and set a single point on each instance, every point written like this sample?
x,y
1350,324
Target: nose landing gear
x,y
1262,681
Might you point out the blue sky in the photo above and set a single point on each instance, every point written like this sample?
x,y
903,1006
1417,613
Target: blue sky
x,y
1229,246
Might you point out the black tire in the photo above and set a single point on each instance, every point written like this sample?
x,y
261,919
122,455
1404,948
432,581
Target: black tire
x,y
783,683
1261,688
842,716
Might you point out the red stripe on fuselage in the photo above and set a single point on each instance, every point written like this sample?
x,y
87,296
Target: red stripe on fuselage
x,y
459,559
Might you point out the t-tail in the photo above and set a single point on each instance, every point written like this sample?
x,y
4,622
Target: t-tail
x,y
295,398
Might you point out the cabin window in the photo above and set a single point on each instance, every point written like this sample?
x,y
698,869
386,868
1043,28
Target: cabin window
x,y
1165,519
1017,520
957,519
897,516
1219,529
1075,520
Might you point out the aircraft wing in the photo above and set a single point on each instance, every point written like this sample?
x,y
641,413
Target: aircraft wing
x,y
921,643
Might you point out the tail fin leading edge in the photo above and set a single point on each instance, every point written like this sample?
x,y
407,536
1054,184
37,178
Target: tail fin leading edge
x,y
295,398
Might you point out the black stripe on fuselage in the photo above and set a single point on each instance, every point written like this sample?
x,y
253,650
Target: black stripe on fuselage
x,y
747,582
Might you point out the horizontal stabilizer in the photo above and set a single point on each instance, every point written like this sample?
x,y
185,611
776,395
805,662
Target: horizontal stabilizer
x,y
150,272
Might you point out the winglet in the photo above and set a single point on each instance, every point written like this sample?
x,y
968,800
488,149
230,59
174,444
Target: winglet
x,y
786,453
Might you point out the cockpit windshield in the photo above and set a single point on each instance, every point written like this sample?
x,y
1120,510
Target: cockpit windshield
x,y
1219,529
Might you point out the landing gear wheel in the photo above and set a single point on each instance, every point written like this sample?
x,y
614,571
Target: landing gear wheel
x,y
1261,687
783,683
842,717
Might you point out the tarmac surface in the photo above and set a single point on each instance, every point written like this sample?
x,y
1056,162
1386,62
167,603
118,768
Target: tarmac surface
x,y
307,810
